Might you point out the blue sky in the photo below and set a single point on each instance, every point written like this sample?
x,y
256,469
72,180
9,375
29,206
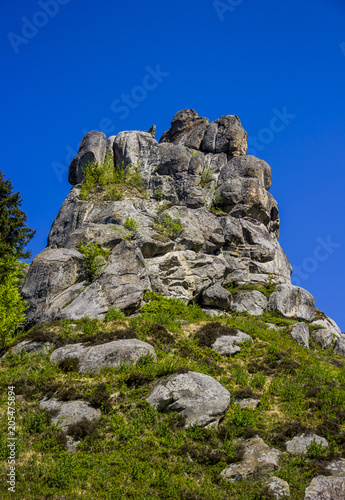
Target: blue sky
x,y
71,66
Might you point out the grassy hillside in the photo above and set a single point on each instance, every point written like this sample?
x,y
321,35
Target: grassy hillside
x,y
136,452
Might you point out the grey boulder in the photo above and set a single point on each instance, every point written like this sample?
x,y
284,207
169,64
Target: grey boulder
x,y
292,302
225,135
110,354
324,337
278,488
69,412
339,347
252,302
228,344
259,458
300,332
199,399
92,149
216,296
299,444
31,347
326,488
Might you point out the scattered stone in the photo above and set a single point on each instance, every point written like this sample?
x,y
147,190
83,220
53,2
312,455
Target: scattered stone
x,y
199,399
300,332
69,412
228,344
31,347
337,468
216,296
326,488
216,313
252,302
259,458
300,443
249,403
292,302
339,347
277,487
111,354
324,337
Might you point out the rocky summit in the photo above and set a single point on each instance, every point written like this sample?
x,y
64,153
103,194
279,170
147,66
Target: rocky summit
x,y
166,354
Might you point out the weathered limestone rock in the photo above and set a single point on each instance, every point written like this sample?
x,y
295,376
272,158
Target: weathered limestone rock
x,y
69,412
337,468
292,302
326,488
185,274
199,399
253,252
92,149
258,458
225,135
112,354
187,128
339,347
249,403
51,273
329,324
300,332
216,296
228,344
278,488
132,148
299,444
324,337
252,302
31,347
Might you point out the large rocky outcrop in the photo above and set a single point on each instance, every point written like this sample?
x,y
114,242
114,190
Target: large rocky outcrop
x,y
205,220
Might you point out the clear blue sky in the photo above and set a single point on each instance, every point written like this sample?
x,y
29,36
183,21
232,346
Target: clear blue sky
x,y
65,72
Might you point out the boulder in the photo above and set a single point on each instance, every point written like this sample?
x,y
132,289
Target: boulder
x,y
292,302
299,444
339,347
326,488
225,135
110,354
248,403
69,412
216,296
300,332
187,128
277,488
199,399
252,302
324,337
121,284
51,274
259,458
337,468
92,149
329,324
132,148
185,274
228,344
31,347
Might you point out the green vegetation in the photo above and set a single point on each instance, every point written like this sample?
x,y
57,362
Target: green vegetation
x,y
131,225
168,225
109,181
94,256
134,451
206,176
194,152
267,288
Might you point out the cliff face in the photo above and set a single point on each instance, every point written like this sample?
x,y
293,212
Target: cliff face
x,y
188,217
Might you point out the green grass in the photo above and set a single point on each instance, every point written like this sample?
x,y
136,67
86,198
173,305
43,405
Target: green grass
x,y
137,452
